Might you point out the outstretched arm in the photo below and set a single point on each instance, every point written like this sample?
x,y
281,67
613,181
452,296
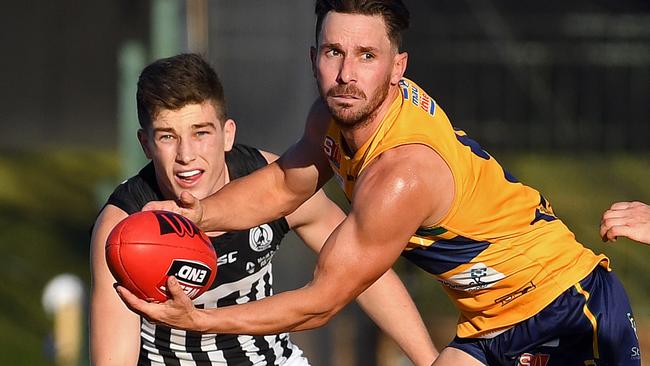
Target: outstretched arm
x,y
387,209
387,301
629,219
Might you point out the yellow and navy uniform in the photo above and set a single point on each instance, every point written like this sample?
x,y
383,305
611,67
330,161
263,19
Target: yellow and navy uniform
x,y
500,252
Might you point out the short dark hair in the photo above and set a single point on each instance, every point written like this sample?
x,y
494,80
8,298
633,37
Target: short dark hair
x,y
174,82
395,14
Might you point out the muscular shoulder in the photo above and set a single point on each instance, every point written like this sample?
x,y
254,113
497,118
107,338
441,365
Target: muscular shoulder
x,y
414,173
318,119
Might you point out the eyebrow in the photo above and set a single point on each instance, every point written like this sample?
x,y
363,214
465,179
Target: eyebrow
x,y
363,49
195,126
163,129
360,49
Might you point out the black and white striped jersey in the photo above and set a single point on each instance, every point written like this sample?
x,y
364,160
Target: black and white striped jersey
x,y
244,273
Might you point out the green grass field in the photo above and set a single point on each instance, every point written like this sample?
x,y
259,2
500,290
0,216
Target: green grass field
x,y
49,199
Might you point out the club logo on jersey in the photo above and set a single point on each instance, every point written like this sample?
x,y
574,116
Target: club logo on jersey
x,y
260,238
170,222
539,359
478,277
191,276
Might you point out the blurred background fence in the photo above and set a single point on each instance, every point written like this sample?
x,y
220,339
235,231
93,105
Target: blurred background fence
x,y
559,91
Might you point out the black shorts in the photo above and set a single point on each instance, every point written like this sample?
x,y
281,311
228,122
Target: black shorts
x,y
591,323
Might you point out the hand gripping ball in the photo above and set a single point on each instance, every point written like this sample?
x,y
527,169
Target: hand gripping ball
x,y
148,246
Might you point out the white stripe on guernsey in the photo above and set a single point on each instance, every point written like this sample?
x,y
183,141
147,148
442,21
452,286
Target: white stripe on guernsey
x,y
270,279
155,358
209,345
177,340
147,331
248,345
208,342
247,342
296,358
244,287
211,297
177,345
184,362
277,349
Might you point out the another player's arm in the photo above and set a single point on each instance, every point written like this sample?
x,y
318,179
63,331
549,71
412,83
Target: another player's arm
x,y
386,301
114,329
388,207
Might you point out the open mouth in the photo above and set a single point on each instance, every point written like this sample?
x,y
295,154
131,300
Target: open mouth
x,y
189,177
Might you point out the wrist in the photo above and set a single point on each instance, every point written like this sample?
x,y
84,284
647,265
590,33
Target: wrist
x,y
201,222
199,321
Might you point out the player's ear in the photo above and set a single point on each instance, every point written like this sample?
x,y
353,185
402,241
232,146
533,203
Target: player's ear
x,y
399,67
144,139
229,130
312,56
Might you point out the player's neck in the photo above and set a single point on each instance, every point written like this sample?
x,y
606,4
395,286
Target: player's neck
x,y
356,136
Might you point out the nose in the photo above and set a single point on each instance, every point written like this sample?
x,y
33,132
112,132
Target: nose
x,y
347,71
185,151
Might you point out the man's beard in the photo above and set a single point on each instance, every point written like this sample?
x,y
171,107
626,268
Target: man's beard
x,y
344,116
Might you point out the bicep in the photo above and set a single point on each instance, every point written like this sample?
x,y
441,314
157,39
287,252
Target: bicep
x,y
387,208
114,329
359,251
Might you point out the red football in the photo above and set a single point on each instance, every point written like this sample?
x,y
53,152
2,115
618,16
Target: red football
x,y
148,246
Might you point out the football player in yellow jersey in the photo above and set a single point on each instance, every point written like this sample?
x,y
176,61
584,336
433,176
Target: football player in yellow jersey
x,y
527,292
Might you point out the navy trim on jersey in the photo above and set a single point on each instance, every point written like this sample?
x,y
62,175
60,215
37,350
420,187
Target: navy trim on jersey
x,y
445,254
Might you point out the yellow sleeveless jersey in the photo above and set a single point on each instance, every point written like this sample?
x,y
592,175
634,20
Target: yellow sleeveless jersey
x,y
500,253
